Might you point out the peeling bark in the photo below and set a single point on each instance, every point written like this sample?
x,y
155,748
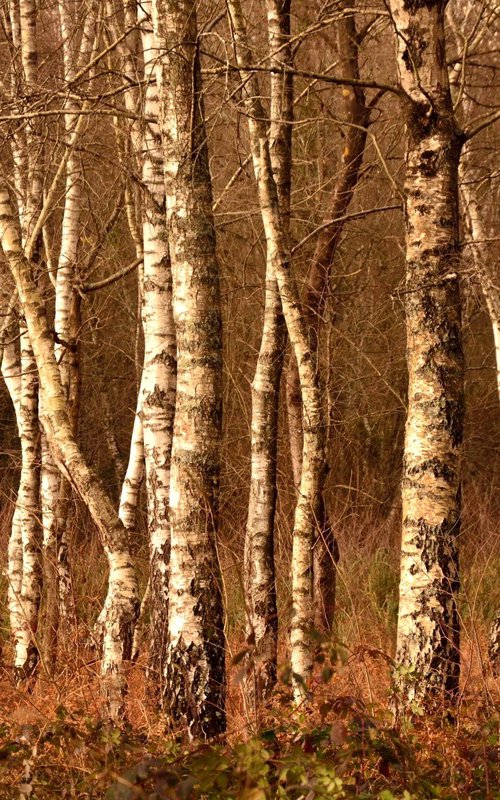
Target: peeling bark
x,y
194,660
428,656
122,604
158,384
259,579
313,451
356,115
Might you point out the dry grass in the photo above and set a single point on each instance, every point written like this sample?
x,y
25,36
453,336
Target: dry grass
x,y
60,711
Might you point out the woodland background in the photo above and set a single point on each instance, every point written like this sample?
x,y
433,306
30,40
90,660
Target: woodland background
x,y
51,724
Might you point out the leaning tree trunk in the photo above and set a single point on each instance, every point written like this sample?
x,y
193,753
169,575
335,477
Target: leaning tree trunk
x,y
356,115
313,452
122,603
259,577
194,660
428,656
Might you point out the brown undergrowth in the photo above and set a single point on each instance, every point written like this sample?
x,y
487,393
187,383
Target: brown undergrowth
x,y
55,741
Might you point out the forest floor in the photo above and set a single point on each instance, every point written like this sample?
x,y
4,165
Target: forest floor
x,y
55,741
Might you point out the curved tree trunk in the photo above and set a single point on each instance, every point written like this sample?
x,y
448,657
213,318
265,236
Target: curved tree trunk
x,y
356,115
313,452
122,604
428,656
259,571
194,669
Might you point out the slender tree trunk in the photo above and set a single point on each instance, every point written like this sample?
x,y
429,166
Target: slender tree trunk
x,y
194,671
428,656
260,582
485,264
356,115
11,371
26,151
122,604
131,486
313,452
27,650
24,565
159,372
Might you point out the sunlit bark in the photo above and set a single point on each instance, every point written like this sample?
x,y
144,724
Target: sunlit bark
x,y
122,603
313,452
195,672
428,657
260,586
159,371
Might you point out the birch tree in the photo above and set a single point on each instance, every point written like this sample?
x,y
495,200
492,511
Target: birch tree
x,y
473,28
56,492
24,565
194,659
159,371
260,586
122,604
357,118
313,452
428,656
153,427
26,153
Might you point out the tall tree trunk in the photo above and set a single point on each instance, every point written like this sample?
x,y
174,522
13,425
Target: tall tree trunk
x,y
122,604
56,491
260,582
313,452
26,151
27,651
356,115
11,372
194,659
159,371
428,656
485,264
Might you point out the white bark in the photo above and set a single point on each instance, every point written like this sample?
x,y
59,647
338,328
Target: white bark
x,y
313,454
131,487
11,371
259,575
159,371
122,604
195,670
428,656
26,649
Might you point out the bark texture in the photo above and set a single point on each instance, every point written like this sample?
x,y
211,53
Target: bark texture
x,y
428,657
356,116
313,451
122,604
194,670
159,370
260,585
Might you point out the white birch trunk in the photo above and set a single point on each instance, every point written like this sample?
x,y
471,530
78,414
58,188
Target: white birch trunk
x,y
428,657
11,372
129,496
159,370
122,604
195,653
259,570
26,650
313,453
